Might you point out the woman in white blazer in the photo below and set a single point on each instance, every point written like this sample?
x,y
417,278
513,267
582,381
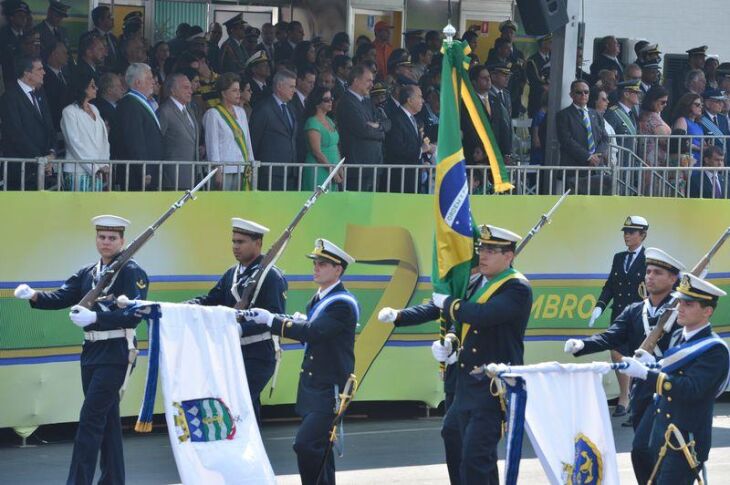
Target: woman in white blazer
x,y
86,138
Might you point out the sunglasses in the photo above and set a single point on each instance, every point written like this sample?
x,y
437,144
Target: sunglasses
x,y
699,105
581,93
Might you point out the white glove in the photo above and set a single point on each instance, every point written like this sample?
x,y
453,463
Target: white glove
x,y
24,292
439,299
635,368
594,316
573,345
299,317
644,357
82,316
443,353
388,315
258,315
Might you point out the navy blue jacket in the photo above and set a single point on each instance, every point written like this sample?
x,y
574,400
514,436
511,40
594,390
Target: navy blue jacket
x,y
329,353
496,335
623,288
687,397
627,331
417,315
271,297
131,281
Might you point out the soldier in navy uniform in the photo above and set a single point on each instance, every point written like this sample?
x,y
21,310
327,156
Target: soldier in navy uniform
x,y
16,14
233,54
450,431
625,285
695,371
107,353
497,314
257,345
51,29
629,330
328,335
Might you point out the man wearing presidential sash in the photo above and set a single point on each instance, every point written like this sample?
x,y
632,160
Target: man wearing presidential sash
x,y
328,334
694,371
257,345
107,354
490,328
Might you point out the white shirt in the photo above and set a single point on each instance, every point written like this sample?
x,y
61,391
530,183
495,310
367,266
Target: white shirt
x,y
86,138
688,335
219,141
302,98
322,293
27,90
633,256
412,119
359,98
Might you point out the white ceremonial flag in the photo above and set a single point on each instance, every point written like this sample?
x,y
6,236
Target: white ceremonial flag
x,y
568,423
212,427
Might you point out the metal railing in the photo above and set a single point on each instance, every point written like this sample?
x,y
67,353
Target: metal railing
x,y
635,168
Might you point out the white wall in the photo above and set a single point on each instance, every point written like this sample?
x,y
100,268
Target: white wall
x,y
676,25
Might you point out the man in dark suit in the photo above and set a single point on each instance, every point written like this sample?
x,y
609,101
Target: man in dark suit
x,y
214,49
233,55
328,332
273,134
608,58
135,132
534,73
267,41
180,133
103,21
481,80
361,131
50,29
624,286
709,184
500,74
16,14
284,50
56,81
27,124
109,91
341,67
582,137
694,373
404,142
91,55
305,84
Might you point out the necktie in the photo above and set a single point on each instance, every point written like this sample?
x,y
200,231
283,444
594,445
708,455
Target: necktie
x,y
34,98
190,119
628,260
589,132
487,106
714,120
285,112
718,188
110,44
61,78
415,124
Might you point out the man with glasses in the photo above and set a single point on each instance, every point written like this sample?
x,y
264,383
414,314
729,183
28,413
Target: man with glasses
x,y
583,140
713,121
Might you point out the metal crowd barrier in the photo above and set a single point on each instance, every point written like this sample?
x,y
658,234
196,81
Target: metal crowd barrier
x,y
634,168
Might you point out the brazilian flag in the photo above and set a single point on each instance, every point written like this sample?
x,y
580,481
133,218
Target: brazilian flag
x,y
455,228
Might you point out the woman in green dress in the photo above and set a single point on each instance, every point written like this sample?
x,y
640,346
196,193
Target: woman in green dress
x,y
322,139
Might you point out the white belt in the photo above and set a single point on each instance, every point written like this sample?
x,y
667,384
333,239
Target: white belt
x,y
255,338
96,335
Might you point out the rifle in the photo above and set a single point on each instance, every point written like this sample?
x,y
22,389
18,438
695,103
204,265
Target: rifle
x,y
670,314
252,286
544,219
107,277
346,397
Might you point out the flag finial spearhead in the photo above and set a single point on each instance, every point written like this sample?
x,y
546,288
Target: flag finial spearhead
x,y
449,32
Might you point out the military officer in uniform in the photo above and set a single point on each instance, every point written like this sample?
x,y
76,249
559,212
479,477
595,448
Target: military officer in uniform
x,y
257,345
51,29
625,285
694,373
538,82
233,54
328,335
490,327
623,115
450,431
107,353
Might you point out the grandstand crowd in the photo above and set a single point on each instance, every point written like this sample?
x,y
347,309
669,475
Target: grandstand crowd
x,y
273,96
